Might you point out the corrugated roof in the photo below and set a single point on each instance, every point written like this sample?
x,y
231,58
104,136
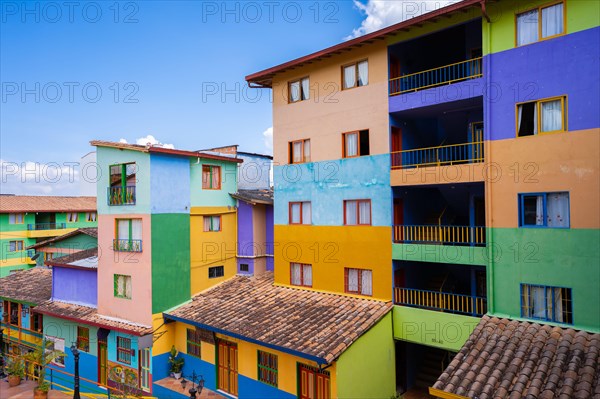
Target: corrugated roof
x,y
516,359
34,203
32,286
315,325
90,231
255,196
87,259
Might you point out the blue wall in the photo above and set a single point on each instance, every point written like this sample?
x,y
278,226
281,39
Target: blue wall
x,y
169,184
327,184
112,348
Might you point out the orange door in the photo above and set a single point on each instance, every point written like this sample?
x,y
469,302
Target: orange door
x,y
313,384
227,362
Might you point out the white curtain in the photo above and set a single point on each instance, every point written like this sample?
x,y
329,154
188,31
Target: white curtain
x,y
351,144
363,73
123,229
296,274
353,280
206,223
558,209
539,211
349,76
557,306
136,229
295,213
306,150
552,20
305,89
216,223
538,302
307,274
364,212
294,92
297,152
127,286
306,213
367,282
551,116
121,285
351,212
527,27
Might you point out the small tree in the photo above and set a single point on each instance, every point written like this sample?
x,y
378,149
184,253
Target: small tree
x,y
41,357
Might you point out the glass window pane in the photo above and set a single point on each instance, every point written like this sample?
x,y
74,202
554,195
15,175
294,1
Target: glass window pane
x,y
295,213
552,116
533,210
527,27
306,213
552,20
297,152
294,91
363,73
349,76
305,89
351,143
351,212
306,150
558,210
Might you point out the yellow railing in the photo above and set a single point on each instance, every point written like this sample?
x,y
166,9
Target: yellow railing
x,y
450,154
452,73
21,335
431,234
441,301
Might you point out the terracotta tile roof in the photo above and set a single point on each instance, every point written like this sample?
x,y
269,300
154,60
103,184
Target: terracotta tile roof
x,y
32,286
255,196
310,324
515,359
38,203
89,315
87,259
90,231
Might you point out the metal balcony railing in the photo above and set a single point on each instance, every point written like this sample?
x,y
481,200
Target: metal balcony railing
x,y
46,226
126,245
446,74
440,234
441,301
121,195
451,154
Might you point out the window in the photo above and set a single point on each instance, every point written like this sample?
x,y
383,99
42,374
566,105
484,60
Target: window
x,y
540,23
48,256
357,212
300,213
11,313
358,281
355,75
122,286
267,368
216,271
193,343
301,274
211,177
244,267
355,144
299,90
91,216
543,116
544,210
37,322
14,246
122,184
72,217
129,235
123,350
299,151
546,303
83,338
56,344
15,218
212,223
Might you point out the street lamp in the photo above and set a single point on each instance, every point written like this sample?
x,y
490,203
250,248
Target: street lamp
x,y
197,382
75,352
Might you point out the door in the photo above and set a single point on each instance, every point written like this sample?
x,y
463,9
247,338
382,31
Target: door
x,y
227,363
144,356
395,86
398,219
102,363
396,145
314,384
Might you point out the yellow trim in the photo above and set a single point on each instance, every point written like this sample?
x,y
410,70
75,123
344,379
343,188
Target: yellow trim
x,y
477,145
564,122
539,9
211,210
444,395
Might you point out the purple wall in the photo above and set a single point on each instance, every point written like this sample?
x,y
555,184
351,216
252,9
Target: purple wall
x,y
566,65
245,235
75,285
269,220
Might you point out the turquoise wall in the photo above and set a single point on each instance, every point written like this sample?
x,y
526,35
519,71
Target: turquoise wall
x,y
200,197
111,342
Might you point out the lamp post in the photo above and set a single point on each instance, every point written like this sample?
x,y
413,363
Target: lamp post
x,y
75,351
197,382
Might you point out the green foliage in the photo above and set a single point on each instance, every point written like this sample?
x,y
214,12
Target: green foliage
x,y
16,367
41,357
175,362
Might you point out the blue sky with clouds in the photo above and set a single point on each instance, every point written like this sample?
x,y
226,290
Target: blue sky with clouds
x,y
76,71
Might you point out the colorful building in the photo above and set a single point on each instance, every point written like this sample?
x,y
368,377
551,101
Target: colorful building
x,y
66,244
416,176
26,220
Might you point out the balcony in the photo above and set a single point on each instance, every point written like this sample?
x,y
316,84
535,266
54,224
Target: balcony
x,y
127,245
46,226
441,301
22,336
121,195
447,74
440,235
443,155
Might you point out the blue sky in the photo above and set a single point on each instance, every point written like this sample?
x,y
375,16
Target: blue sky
x,y
74,72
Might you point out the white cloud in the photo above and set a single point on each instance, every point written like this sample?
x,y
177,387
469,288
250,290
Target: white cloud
x,y
150,139
56,178
383,13
123,141
268,139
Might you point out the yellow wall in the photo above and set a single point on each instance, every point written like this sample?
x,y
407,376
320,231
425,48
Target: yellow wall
x,y
330,249
330,111
212,248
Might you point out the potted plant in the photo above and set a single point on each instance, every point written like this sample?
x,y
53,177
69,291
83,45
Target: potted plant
x,y
15,370
40,358
176,363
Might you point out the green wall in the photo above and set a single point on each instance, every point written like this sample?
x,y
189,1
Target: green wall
x,y
79,242
556,257
441,330
170,260
367,369
200,197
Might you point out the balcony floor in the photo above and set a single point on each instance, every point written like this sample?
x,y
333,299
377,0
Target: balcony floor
x,y
25,391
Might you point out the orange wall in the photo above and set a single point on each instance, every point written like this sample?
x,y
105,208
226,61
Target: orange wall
x,y
546,163
330,111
